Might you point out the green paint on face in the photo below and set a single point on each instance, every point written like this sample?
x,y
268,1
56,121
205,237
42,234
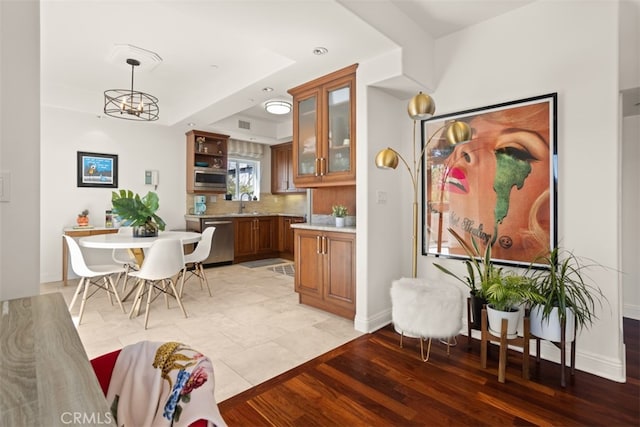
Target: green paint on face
x,y
510,172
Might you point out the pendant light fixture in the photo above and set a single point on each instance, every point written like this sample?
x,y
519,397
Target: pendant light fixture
x,y
131,104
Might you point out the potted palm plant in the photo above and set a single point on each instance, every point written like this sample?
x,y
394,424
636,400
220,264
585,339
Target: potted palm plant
x,y
567,301
505,294
138,212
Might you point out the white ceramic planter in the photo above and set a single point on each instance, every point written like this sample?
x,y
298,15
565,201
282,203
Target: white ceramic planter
x,y
549,329
339,221
494,317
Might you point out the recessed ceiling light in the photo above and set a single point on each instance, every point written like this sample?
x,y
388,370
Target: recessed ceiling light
x,y
191,124
267,89
277,107
320,50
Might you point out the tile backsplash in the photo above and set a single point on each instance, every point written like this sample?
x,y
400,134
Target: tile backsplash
x,y
268,203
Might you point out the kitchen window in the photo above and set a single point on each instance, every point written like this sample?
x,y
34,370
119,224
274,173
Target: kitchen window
x,y
243,177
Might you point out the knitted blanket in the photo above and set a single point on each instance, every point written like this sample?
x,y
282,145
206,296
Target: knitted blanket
x,y
162,384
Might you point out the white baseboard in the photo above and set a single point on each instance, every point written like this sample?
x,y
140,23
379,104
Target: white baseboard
x,y
586,361
55,277
592,363
372,324
631,311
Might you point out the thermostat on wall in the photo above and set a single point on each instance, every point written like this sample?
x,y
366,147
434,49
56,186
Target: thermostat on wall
x,y
151,177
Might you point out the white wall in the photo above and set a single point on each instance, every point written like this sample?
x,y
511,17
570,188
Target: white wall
x,y
525,53
564,47
629,44
139,146
20,147
630,158
380,256
631,206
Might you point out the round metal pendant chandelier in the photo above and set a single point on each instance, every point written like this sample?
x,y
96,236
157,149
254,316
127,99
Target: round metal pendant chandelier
x,y
130,104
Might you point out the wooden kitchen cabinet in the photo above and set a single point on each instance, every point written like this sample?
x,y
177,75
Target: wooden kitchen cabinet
x,y
255,238
325,270
324,122
206,162
286,235
282,170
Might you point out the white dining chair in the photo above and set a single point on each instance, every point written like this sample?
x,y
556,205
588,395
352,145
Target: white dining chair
x,y
124,257
197,257
92,275
163,261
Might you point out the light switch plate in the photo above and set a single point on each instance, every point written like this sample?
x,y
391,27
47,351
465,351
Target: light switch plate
x,y
5,186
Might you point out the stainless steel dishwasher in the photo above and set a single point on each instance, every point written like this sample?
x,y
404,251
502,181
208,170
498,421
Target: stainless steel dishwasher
x,y
222,245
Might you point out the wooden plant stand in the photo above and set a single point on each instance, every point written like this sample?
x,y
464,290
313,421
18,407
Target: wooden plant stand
x,y
563,356
523,342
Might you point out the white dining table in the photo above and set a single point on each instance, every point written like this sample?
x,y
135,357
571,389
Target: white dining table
x,y
135,244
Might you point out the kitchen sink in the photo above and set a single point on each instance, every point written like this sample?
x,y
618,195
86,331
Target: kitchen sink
x,y
248,214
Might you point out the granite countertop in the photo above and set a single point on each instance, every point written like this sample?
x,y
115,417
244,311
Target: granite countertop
x,y
319,222
240,215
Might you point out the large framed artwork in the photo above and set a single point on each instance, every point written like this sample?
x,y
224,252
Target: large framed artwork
x,y
97,170
498,188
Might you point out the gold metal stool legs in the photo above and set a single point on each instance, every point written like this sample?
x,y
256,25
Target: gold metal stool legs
x,y
422,340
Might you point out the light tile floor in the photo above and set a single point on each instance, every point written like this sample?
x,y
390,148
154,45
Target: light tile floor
x,y
253,328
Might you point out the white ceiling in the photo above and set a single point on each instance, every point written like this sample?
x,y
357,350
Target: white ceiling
x,y
217,56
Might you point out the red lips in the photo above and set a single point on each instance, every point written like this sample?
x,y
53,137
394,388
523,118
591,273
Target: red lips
x,y
456,181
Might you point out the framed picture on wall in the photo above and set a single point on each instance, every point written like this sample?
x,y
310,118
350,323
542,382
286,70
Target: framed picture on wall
x,y
498,188
97,170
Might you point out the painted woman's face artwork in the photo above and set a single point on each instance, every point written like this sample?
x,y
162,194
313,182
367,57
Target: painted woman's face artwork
x,y
495,187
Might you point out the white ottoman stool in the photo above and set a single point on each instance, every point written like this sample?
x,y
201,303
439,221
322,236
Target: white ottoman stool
x,y
426,310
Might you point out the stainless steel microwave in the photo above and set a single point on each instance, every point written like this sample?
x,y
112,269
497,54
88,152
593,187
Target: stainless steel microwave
x,y
210,179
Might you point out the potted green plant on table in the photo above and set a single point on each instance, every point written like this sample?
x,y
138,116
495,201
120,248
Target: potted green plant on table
x,y
480,273
567,301
339,212
83,218
138,212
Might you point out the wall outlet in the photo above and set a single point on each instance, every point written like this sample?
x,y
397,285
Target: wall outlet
x,y
213,199
381,197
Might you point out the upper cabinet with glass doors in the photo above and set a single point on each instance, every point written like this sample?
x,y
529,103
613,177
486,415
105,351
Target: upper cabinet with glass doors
x,y
324,140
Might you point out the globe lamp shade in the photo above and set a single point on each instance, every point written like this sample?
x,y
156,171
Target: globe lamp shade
x,y
458,132
387,159
421,107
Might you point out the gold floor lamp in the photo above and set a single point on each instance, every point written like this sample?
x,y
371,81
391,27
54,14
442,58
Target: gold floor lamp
x,y
421,107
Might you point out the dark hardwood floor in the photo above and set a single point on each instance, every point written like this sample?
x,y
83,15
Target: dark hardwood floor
x,y
372,381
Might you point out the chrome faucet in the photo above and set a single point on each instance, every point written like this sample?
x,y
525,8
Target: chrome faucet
x,y
242,205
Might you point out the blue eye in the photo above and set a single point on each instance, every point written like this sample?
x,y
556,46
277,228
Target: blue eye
x,y
516,153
